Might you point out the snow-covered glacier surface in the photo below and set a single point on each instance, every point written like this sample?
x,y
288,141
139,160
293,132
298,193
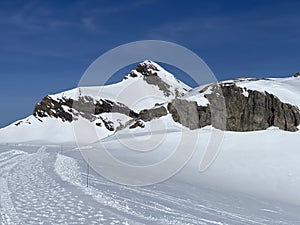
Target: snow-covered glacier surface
x,y
254,178
47,184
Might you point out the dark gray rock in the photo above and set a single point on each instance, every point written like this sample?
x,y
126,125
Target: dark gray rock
x,y
51,108
150,114
185,112
229,109
85,106
137,123
152,78
297,74
257,111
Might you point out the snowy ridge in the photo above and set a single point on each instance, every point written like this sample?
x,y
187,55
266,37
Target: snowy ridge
x,y
286,89
143,88
254,179
130,87
133,92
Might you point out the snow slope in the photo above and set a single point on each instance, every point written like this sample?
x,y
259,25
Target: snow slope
x,y
133,91
254,179
137,94
286,89
41,186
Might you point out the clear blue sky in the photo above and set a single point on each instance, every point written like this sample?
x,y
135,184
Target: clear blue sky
x,y
45,46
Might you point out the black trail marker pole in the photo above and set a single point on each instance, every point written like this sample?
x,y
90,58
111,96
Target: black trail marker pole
x,y
87,173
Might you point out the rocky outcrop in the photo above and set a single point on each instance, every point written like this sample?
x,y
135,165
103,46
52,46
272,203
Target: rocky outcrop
x,y
250,110
236,109
138,123
86,107
150,114
185,112
297,74
51,108
230,107
149,72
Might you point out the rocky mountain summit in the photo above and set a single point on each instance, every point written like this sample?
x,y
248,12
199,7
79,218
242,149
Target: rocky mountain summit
x,y
234,108
297,74
149,93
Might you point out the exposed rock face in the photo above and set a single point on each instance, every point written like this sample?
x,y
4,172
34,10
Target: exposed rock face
x,y
108,124
51,108
150,114
297,74
87,107
185,112
234,109
250,110
138,123
152,77
230,108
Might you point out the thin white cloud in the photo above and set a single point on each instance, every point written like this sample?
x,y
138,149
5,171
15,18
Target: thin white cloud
x,y
121,7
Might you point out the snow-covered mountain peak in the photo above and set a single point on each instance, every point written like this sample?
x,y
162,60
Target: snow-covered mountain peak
x,y
154,74
297,74
149,92
150,65
142,88
107,107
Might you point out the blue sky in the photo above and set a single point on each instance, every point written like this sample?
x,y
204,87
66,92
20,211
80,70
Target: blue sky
x,y
45,46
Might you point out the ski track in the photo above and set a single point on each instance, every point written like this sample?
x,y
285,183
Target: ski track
x,y
49,188
29,195
150,205
7,161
